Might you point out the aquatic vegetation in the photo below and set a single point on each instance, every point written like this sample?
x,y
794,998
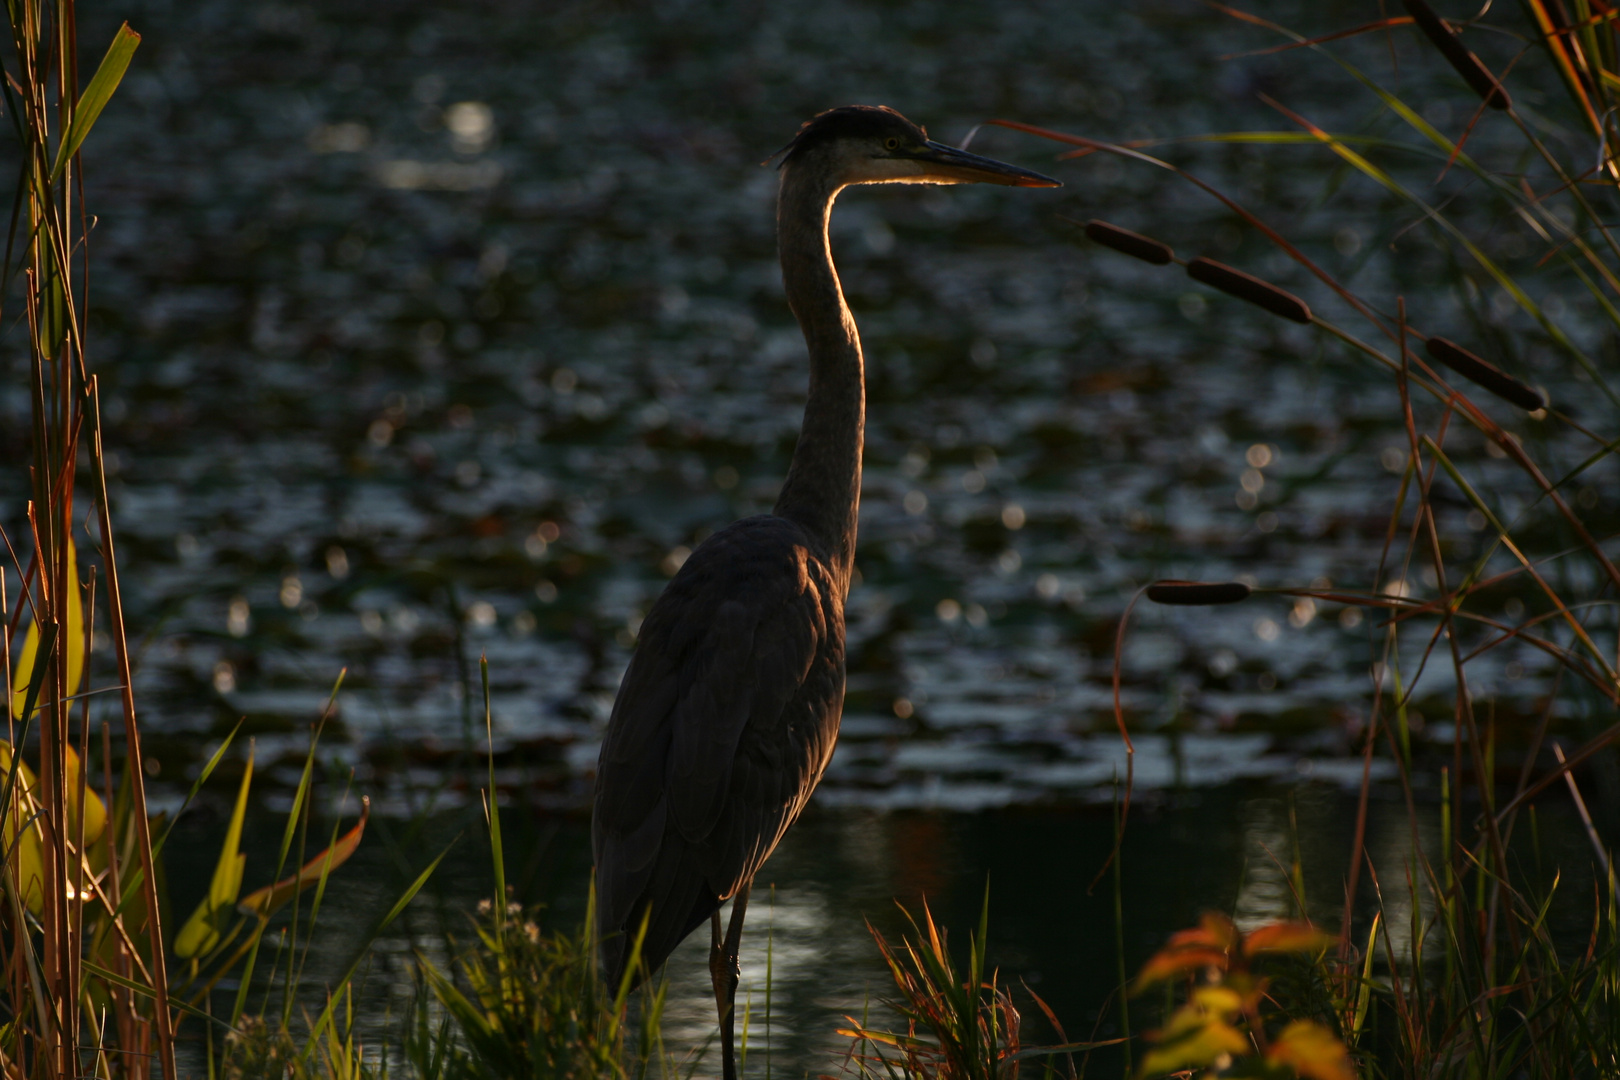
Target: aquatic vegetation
x,y
1461,973
82,961
1219,1024
959,1024
521,1002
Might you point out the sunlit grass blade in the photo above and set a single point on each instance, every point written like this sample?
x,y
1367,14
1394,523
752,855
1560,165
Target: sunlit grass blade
x,y
492,809
96,95
203,777
265,901
318,1028
202,932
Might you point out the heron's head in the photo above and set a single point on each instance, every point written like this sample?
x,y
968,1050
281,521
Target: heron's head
x,y
873,144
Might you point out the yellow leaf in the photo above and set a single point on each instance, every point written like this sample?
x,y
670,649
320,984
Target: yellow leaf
x,y
95,811
203,931
24,668
1222,1001
102,84
1202,1044
29,858
1312,1051
1209,1004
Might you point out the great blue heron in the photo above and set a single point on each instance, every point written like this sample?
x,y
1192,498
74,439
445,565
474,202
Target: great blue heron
x,y
727,715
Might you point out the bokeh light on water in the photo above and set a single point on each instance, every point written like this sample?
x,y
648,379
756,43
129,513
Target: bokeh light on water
x,y
431,332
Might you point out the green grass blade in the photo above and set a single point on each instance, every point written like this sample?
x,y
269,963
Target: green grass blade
x,y
497,854
363,951
197,785
146,991
202,931
96,96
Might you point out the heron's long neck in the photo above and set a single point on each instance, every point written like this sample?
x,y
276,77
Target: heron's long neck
x,y
823,486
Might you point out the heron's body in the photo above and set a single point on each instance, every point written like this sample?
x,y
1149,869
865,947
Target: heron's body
x,y
728,713
725,721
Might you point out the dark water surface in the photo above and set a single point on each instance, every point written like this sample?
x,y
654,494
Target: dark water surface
x,y
432,331
1188,851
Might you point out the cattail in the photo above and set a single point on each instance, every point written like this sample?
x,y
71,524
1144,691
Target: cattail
x,y
1197,592
1129,243
1469,66
1248,287
1486,374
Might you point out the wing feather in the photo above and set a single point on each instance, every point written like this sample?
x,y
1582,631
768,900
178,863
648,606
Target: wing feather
x,y
724,722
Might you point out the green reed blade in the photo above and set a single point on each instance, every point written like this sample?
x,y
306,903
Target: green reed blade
x,y
492,810
196,786
96,95
362,952
201,933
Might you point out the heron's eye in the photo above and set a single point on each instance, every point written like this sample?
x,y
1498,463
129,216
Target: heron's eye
x,y
891,143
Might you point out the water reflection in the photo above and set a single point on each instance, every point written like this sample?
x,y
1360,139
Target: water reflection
x,y
1408,911
1267,893
1231,847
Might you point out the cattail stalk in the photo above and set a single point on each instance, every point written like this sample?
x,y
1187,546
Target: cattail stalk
x,y
1197,593
1263,294
1129,243
1470,67
1486,374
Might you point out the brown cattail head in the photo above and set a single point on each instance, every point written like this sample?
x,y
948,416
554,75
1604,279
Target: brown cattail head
x,y
1486,374
1130,243
1248,287
1197,592
1469,66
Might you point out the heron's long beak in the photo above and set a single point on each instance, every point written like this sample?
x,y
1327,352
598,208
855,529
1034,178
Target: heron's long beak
x,y
951,164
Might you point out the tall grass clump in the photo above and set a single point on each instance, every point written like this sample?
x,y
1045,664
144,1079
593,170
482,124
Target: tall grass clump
x,y
956,1024
519,1002
1497,561
85,985
265,1030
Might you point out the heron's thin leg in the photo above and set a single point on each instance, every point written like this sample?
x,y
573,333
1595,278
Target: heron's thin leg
x,y
732,974
717,966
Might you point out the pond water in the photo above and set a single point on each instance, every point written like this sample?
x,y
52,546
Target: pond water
x,y
1050,928
431,332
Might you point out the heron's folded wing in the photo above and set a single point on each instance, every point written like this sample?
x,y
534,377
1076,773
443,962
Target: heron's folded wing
x,y
747,781
630,768
752,662
782,749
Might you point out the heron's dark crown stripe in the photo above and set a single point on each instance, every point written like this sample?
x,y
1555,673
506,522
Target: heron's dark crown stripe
x,y
851,122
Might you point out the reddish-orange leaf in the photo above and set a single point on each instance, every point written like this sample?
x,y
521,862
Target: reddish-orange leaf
x,y
268,899
1287,937
1214,931
1169,963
